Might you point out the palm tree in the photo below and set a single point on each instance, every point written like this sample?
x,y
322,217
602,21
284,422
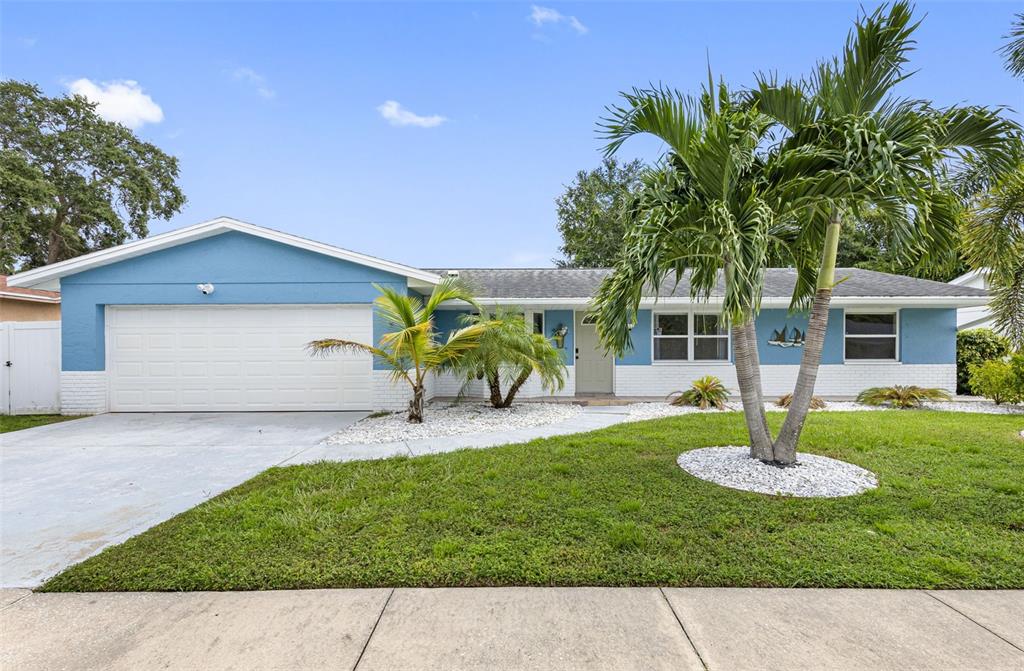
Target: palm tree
x,y
509,353
708,212
413,350
1013,51
993,241
871,150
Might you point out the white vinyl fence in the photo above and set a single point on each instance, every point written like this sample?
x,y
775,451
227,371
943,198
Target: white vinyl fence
x,y
29,368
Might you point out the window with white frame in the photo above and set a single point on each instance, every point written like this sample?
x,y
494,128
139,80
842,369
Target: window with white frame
x,y
690,336
536,322
871,336
710,338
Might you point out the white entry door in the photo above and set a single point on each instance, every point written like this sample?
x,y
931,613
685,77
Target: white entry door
x,y
30,356
236,358
593,366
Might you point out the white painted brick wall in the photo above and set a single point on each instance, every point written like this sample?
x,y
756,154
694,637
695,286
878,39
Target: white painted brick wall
x,y
388,395
83,392
833,380
448,386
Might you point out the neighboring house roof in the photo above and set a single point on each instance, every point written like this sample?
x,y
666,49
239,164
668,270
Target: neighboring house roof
x,y
49,276
972,278
22,294
866,286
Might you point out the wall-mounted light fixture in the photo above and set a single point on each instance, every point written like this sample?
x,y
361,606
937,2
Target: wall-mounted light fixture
x,y
206,288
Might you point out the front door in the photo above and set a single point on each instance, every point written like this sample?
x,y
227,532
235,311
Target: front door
x,y
593,366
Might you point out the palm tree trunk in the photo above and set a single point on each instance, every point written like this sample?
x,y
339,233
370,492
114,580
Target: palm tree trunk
x,y
748,377
416,404
494,385
803,393
514,389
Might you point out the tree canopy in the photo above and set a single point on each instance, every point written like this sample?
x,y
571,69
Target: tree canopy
x,y
71,182
592,213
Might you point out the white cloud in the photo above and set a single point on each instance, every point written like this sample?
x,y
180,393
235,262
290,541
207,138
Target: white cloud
x,y
256,80
28,42
397,115
544,15
121,101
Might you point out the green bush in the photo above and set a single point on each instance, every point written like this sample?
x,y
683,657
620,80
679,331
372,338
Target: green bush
x,y
1001,380
976,346
706,392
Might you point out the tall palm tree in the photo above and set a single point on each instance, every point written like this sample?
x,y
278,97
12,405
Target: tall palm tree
x,y
508,355
707,212
872,149
993,242
413,350
1013,50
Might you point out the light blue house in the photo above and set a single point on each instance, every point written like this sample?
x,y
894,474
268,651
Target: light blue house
x,y
215,317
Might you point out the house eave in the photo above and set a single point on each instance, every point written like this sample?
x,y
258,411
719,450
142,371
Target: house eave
x,y
769,302
48,277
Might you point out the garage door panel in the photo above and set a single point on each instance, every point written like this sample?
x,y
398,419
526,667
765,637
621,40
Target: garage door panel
x,y
193,358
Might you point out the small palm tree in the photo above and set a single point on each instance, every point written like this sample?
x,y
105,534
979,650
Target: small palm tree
x,y
705,392
413,350
508,353
899,396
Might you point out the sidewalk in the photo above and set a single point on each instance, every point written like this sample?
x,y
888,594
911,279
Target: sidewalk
x,y
591,419
515,628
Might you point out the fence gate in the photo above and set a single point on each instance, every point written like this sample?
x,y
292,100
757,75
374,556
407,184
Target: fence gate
x,y
29,367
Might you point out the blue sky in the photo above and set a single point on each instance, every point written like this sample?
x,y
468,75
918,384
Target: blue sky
x,y
280,112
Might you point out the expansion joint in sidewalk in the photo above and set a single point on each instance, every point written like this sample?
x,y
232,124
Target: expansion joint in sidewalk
x,y
968,617
683,627
373,630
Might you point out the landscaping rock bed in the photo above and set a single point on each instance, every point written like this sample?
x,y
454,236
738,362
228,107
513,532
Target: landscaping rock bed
x,y
812,476
452,420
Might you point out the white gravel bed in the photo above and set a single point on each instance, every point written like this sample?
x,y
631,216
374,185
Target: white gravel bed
x,y
812,476
641,411
452,420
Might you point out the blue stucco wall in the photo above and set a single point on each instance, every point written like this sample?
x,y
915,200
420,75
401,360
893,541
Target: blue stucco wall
x,y
245,269
552,318
928,335
640,336
770,320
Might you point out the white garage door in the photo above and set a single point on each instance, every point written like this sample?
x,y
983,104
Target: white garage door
x,y
235,357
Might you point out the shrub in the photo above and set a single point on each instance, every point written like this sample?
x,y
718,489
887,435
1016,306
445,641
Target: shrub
x,y
1000,380
899,396
786,399
976,346
706,392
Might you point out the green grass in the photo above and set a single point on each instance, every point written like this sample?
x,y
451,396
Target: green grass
x,y
19,422
607,508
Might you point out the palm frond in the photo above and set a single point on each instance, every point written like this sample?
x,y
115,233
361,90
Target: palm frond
x,y
1013,51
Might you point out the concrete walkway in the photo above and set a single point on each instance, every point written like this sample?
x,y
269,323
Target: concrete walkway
x,y
515,628
591,419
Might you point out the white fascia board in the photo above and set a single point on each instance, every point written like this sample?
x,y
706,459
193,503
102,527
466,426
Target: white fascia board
x,y
773,302
49,276
13,295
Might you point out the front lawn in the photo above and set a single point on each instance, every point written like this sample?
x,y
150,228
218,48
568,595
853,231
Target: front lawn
x,y
19,422
607,508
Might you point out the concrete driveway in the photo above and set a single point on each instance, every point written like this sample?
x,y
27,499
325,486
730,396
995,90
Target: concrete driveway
x,y
69,490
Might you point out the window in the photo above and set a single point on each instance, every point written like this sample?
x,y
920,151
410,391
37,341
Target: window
x,y
538,322
871,336
688,336
671,341
710,338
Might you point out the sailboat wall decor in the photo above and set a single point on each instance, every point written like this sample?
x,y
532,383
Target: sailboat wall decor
x,y
784,338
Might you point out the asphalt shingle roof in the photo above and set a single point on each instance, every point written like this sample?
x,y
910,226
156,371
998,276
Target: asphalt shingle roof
x,y
583,283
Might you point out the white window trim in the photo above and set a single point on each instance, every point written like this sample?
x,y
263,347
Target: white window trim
x,y
690,338
896,335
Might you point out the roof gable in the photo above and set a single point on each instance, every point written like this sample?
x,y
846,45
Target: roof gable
x,y
48,277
